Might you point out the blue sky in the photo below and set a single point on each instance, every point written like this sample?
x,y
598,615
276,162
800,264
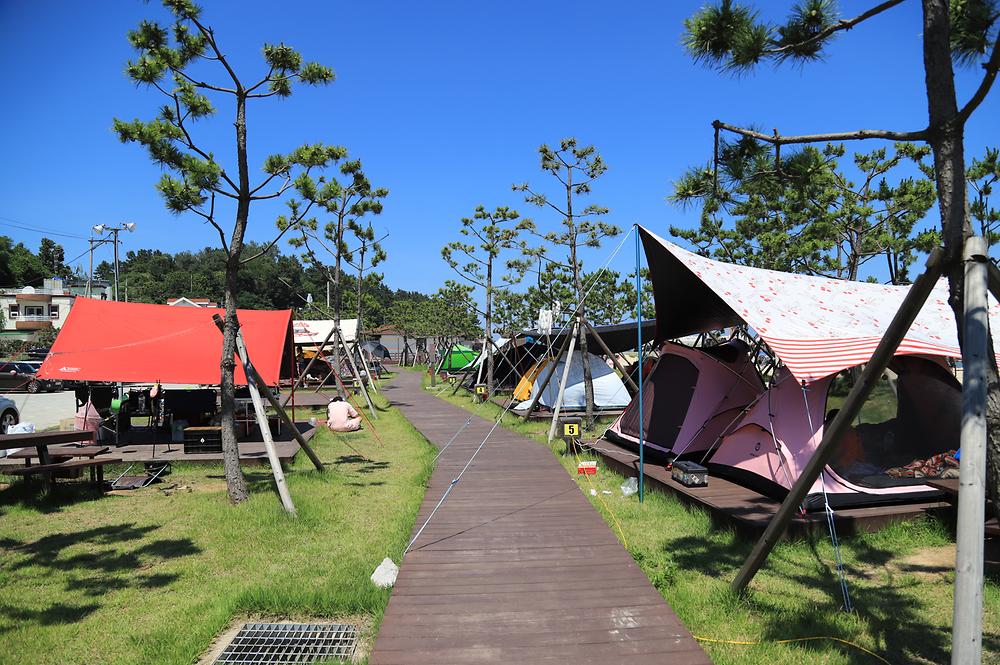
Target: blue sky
x,y
445,103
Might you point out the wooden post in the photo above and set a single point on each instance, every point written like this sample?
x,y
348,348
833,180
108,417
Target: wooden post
x,y
565,379
894,334
967,626
357,375
265,429
309,365
549,371
614,359
364,363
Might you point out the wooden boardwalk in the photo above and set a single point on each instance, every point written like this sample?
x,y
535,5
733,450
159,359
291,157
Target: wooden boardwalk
x,y
516,566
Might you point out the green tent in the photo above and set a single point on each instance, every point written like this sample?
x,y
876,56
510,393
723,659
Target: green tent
x,y
457,357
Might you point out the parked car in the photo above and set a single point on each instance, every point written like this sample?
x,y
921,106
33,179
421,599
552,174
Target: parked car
x,y
8,414
23,376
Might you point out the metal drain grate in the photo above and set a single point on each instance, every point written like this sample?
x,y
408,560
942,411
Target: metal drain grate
x,y
290,643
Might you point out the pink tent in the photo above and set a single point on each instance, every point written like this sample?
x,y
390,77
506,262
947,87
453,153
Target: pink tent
x,y
721,414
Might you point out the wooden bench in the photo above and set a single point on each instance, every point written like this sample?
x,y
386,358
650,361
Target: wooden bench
x,y
96,466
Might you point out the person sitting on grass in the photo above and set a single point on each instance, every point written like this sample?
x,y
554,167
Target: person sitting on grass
x,y
341,416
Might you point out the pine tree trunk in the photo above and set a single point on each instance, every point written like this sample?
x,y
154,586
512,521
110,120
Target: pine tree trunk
x,y
947,144
236,484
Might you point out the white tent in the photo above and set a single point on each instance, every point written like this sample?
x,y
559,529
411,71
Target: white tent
x,y
312,333
609,391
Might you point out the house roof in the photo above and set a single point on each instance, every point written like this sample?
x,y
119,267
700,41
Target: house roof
x,y
103,340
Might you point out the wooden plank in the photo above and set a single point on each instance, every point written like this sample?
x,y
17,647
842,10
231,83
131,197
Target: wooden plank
x,y
8,441
516,565
69,464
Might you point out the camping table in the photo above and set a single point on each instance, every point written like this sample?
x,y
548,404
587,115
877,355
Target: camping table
x,y
42,440
61,453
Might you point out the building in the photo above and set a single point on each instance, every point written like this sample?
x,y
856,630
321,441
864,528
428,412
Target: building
x,y
190,302
31,308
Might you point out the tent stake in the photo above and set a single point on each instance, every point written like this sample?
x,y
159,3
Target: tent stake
x,y
265,429
549,371
967,627
881,357
565,379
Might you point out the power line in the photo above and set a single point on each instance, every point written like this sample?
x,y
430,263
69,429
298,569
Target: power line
x,y
24,227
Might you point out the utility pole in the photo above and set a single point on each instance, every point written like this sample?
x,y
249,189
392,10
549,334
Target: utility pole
x,y
90,278
114,231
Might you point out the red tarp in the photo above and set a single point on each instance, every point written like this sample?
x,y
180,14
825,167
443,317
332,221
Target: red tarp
x,y
103,340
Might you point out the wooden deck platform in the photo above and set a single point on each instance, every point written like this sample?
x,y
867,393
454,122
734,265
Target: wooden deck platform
x,y
155,449
516,566
748,512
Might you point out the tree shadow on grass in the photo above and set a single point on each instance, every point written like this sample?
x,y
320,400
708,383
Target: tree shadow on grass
x,y
896,616
90,563
362,464
39,495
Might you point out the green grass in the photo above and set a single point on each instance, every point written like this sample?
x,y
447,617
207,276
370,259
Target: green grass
x,y
153,577
901,589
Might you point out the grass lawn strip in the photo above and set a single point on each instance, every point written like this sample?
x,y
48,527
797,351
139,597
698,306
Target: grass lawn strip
x,y
900,578
151,576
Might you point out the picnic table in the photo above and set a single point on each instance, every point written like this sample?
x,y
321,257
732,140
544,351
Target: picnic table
x,y
60,456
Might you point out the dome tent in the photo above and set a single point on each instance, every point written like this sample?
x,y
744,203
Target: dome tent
x,y
609,391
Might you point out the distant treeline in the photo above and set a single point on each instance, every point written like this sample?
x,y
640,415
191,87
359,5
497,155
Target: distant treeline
x,y
273,281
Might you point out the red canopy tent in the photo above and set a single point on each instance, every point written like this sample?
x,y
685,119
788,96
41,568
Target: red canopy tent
x,y
104,340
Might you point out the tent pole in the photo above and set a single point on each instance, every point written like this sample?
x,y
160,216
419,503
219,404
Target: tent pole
x,y
265,429
612,356
883,354
549,371
565,379
302,376
638,329
357,375
967,628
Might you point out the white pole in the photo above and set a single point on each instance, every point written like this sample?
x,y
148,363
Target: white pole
x,y
967,627
265,429
565,380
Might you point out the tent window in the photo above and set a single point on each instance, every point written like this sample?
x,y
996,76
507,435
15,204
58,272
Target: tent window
x,y
905,429
666,396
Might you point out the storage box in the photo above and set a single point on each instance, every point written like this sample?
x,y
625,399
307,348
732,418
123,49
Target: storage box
x,y
586,468
689,474
202,440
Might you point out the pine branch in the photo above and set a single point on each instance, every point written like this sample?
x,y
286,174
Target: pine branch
x,y
291,223
859,135
992,66
845,24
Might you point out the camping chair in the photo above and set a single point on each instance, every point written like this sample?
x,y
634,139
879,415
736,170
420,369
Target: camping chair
x,y
153,472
